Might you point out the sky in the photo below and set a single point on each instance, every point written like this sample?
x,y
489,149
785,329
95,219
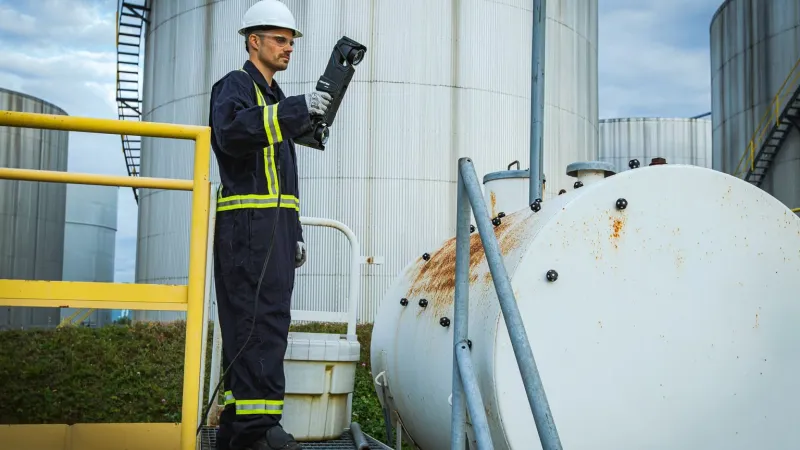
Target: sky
x,y
653,61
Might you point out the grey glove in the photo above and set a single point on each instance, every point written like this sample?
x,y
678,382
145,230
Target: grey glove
x,y
300,254
318,102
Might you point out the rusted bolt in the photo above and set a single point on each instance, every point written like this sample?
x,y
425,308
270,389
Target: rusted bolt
x,y
657,161
424,303
426,256
535,206
622,203
472,228
552,275
633,164
496,221
578,184
404,301
444,321
501,214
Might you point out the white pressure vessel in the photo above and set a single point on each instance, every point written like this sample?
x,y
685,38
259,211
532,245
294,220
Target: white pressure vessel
x,y
673,323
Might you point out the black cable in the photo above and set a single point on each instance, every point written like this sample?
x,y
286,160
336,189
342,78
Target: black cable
x,y
213,396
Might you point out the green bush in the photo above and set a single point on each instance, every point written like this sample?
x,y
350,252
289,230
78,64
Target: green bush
x,y
125,373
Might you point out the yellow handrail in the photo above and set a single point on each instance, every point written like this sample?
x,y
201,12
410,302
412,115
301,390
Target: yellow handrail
x,y
771,114
187,298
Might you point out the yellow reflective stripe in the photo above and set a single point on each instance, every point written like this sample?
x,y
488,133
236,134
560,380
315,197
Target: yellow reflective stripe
x,y
270,118
259,407
276,127
263,204
257,197
229,400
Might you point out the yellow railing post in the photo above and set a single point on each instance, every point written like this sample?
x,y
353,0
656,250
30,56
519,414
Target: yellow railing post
x,y
198,242
187,298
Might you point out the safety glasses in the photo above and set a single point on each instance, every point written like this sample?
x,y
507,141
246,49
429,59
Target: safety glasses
x,y
280,41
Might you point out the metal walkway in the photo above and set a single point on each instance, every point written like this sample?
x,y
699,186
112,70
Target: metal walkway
x,y
771,133
130,32
208,441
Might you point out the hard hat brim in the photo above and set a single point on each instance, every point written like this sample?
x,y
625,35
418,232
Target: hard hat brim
x,y
295,33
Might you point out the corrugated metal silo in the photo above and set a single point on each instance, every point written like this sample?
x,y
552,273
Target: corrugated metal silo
x,y
754,45
31,213
678,140
434,86
90,240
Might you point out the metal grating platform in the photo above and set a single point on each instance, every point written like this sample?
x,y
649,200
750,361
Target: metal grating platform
x,y
208,441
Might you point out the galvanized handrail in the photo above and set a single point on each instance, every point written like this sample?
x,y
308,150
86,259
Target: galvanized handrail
x,y
465,385
771,115
187,297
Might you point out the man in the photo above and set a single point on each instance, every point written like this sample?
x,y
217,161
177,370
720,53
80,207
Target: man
x,y
252,127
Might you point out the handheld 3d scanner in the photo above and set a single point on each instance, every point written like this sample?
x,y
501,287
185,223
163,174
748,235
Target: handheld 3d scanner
x,y
346,54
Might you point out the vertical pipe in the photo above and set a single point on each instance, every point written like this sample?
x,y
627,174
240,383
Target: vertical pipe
x,y
207,312
460,314
548,435
198,248
537,99
474,399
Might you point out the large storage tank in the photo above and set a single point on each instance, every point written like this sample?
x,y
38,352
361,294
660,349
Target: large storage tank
x,y
754,45
670,324
31,213
418,101
90,241
678,140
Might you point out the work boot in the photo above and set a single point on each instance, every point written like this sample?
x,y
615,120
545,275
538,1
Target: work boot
x,y
276,439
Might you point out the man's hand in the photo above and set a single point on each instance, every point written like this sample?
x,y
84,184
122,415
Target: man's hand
x,y
318,102
300,254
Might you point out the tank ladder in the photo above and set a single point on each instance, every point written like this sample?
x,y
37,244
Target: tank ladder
x,y
466,391
772,131
131,19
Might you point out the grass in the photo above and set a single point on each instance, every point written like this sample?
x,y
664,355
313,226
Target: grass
x,y
125,373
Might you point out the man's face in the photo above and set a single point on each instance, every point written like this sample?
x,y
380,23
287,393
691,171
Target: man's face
x,y
275,48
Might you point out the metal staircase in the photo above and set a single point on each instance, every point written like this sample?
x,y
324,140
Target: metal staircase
x,y
771,133
131,19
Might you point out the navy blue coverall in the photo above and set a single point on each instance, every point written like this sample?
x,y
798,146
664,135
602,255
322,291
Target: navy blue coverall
x,y
252,127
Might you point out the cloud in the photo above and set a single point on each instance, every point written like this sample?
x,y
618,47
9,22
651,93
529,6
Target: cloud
x,y
80,23
64,52
647,64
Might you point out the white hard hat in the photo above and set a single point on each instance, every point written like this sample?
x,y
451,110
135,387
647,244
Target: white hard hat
x,y
269,13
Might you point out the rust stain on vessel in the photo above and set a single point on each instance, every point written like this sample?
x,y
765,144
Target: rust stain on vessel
x,y
617,225
435,279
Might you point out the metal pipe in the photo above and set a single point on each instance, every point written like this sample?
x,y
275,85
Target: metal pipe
x,y
537,99
480,425
355,265
212,208
54,176
460,315
545,425
358,437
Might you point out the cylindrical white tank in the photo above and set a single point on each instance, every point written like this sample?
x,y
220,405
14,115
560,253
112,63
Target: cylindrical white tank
x,y
90,240
678,140
31,213
506,191
415,105
754,46
671,323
